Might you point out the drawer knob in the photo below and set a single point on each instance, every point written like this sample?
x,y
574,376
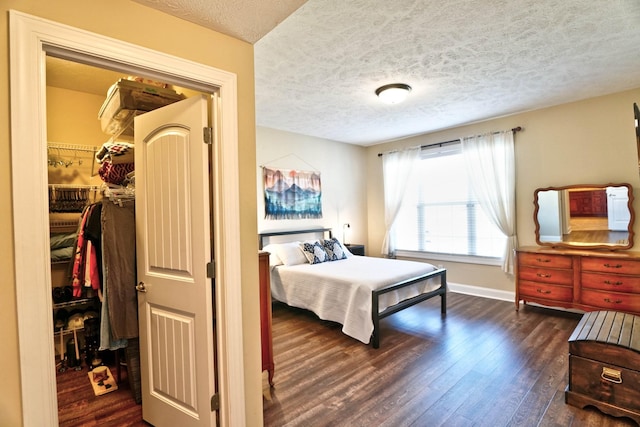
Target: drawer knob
x,y
543,260
611,375
613,265
540,291
609,300
609,282
545,275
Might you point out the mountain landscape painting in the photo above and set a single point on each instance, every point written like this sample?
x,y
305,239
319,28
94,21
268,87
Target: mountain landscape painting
x,y
292,194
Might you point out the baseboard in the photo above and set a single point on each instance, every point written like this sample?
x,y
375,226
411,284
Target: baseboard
x,y
498,295
482,292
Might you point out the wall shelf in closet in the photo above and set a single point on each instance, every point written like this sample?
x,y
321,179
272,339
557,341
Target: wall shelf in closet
x,y
67,331
74,302
61,155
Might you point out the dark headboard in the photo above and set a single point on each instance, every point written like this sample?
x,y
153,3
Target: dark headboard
x,y
264,237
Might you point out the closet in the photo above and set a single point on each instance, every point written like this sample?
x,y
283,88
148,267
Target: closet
x,y
71,168
93,264
91,177
69,110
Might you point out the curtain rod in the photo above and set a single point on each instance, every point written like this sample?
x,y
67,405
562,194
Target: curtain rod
x,y
440,144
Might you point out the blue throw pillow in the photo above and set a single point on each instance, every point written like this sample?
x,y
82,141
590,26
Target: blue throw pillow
x,y
314,252
334,249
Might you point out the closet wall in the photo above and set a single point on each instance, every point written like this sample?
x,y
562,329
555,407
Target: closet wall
x,y
72,118
74,134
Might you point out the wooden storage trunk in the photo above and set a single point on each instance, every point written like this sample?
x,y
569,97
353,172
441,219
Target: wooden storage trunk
x,y
604,364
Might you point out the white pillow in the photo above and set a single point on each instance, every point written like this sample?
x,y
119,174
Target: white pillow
x,y
291,254
274,259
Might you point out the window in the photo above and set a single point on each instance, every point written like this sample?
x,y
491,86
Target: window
x,y
440,214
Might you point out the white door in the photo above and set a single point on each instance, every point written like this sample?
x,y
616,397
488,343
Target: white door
x,y
617,208
173,238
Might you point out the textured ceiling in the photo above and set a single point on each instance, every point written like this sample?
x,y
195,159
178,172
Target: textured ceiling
x,y
246,20
466,60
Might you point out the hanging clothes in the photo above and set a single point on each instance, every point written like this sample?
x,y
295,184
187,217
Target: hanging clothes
x,y
93,233
85,263
107,342
119,261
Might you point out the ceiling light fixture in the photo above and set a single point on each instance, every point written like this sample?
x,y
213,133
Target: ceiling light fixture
x,y
393,93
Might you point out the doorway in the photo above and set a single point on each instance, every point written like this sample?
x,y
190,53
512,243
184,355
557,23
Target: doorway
x,y
30,39
86,107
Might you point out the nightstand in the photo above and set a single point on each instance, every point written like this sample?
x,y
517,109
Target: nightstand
x,y
355,248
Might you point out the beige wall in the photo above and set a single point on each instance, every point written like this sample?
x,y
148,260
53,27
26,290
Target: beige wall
x,y
587,142
131,22
343,177
72,119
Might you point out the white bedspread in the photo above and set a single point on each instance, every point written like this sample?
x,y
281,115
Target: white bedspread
x,y
340,291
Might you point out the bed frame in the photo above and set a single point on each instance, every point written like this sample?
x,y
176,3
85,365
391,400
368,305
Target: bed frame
x,y
376,316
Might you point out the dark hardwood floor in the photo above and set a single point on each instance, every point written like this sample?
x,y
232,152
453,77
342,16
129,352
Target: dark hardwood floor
x,y
484,364
79,406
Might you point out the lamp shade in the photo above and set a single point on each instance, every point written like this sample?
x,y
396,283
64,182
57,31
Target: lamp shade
x,y
393,93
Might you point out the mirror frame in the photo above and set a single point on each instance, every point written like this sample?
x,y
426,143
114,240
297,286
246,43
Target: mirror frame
x,y
585,246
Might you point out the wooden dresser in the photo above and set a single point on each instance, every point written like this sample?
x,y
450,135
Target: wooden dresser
x,y
583,279
265,314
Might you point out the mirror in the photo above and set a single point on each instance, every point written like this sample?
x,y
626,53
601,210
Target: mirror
x,y
636,117
585,216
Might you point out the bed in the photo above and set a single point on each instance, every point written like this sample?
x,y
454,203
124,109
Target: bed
x,y
355,291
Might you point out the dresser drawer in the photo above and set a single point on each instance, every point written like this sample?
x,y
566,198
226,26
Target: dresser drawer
x,y
616,301
546,275
544,260
544,291
611,282
610,265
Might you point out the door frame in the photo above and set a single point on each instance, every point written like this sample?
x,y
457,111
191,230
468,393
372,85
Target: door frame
x,y
31,38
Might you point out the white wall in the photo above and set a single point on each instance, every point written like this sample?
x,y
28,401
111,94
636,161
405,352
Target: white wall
x,y
343,174
549,216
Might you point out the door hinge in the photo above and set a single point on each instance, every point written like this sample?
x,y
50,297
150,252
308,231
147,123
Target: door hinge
x,y
215,402
207,135
211,270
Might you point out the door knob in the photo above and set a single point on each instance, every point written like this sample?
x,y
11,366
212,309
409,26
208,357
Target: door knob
x,y
140,287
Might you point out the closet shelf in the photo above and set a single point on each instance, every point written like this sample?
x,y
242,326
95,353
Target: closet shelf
x,y
81,153
67,331
74,302
72,147
74,186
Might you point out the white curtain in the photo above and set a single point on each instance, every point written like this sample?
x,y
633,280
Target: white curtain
x,y
396,170
491,164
